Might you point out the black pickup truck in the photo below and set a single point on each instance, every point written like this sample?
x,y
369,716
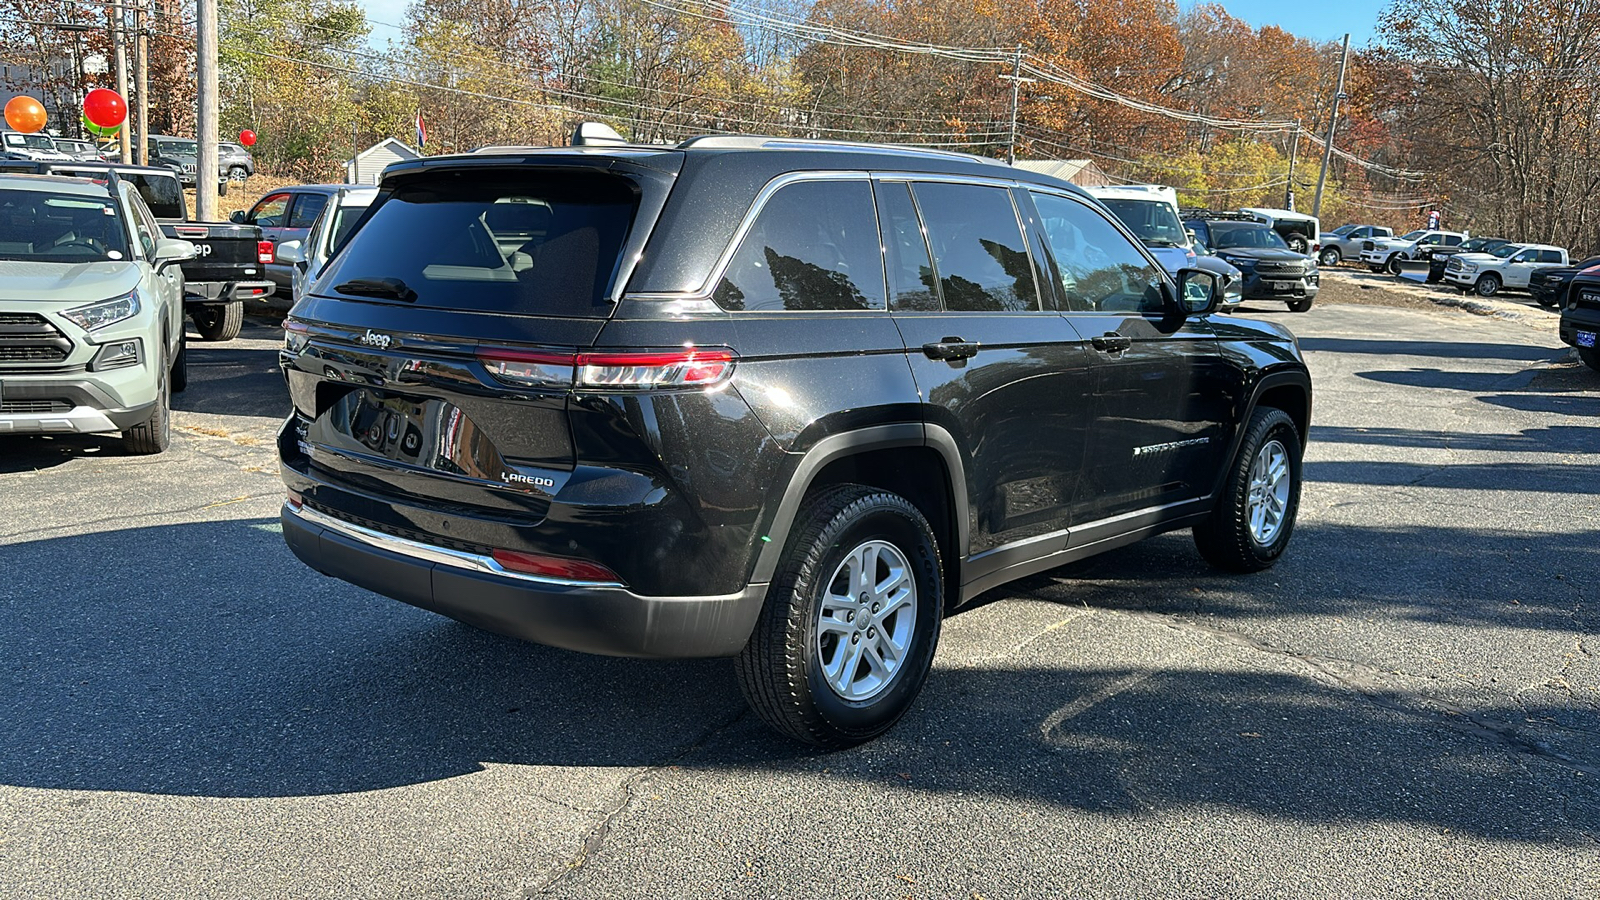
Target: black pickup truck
x,y
230,267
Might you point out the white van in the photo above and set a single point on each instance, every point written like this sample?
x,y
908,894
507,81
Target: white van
x,y
1151,212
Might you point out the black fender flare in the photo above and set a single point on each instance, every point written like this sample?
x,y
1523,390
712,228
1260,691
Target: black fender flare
x,y
1299,378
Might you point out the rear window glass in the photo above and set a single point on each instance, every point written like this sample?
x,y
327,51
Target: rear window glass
x,y
161,193
527,244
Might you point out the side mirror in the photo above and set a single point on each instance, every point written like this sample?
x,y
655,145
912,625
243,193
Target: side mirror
x,y
171,250
289,253
237,217
1199,292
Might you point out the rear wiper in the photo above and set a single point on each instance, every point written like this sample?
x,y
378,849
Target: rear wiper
x,y
393,288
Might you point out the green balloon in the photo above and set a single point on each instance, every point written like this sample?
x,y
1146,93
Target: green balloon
x,y
97,130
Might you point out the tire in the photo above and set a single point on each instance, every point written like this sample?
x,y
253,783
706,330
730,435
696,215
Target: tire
x,y
1330,256
237,173
1546,301
1229,538
1300,305
180,364
1392,266
783,670
1590,357
219,321
1488,285
154,434
1298,242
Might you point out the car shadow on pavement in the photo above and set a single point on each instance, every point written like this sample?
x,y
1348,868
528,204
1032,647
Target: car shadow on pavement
x,y
1443,349
227,379
1545,439
27,453
237,672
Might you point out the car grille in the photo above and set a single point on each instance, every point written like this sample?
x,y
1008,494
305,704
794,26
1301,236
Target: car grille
x,y
1281,268
29,337
34,407
1455,265
1588,297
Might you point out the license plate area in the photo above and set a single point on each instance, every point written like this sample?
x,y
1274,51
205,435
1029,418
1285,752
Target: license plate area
x,y
1586,339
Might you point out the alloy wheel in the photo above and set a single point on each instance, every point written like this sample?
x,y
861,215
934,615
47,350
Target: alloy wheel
x,y
868,616
1269,492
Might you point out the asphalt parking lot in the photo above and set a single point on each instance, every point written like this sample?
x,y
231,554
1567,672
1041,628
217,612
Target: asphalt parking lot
x,y
1408,705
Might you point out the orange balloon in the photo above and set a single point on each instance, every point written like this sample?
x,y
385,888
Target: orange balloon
x,y
25,114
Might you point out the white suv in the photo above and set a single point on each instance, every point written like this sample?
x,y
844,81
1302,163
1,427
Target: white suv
x,y
91,316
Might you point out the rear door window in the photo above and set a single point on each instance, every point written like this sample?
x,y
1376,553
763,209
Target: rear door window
x,y
813,246
978,247
525,243
306,207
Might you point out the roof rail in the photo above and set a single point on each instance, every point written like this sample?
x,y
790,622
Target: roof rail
x,y
768,142
1200,212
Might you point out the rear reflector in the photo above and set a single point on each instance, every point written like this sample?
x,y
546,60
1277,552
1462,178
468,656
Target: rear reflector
x,y
630,370
295,502
263,252
554,566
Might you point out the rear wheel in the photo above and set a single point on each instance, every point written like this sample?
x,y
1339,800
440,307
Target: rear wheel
x,y
219,321
847,635
238,173
1254,517
154,434
1488,285
1299,305
1330,256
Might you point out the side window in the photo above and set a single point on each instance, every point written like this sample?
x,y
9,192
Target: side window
x,y
306,207
144,225
269,211
1550,256
978,247
1452,240
814,246
1363,233
161,193
1525,256
1100,269
911,283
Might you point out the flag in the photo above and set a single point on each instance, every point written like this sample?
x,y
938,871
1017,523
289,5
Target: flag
x,y
422,131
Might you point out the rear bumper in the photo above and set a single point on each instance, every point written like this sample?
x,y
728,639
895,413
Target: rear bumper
x,y
221,291
607,619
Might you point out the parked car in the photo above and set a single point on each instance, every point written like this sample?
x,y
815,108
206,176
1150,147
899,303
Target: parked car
x,y
1580,317
333,226
1510,266
1549,285
1151,212
234,161
283,216
1344,242
1298,230
230,261
1438,255
31,146
181,155
1271,270
82,151
91,319
1388,254
827,407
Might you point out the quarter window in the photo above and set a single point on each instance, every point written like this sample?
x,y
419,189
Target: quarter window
x,y
1100,269
814,246
978,247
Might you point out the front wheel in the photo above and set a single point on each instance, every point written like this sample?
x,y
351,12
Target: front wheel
x,y
846,637
1488,285
1299,305
154,434
1590,357
1329,257
219,321
1254,517
1393,265
1546,300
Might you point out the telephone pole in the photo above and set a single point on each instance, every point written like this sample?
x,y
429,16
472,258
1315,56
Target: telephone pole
x,y
1294,151
1333,121
119,27
1017,81
205,176
141,77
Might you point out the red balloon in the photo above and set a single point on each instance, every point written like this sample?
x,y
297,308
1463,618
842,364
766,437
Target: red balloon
x,y
247,138
105,107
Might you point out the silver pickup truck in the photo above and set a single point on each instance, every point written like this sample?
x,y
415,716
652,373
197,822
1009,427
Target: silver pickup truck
x,y
1344,242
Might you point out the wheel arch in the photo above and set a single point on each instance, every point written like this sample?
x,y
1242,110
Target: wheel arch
x,y
917,461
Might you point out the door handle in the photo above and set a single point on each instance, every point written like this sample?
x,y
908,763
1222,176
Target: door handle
x,y
951,348
1111,342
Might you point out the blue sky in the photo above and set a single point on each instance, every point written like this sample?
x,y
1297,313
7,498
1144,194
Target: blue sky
x,y
1319,21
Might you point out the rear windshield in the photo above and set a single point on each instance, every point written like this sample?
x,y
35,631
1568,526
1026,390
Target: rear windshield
x,y
538,244
40,226
161,193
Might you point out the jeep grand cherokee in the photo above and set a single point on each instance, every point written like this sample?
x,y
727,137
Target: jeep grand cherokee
x,y
784,401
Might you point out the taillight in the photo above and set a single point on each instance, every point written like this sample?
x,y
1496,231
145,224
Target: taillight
x,y
554,566
690,367
263,252
295,336
295,500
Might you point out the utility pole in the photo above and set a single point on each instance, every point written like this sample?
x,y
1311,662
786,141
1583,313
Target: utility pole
x,y
1294,150
205,176
119,27
1333,121
141,77
1017,81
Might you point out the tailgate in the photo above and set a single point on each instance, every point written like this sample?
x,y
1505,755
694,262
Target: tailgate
x,y
225,252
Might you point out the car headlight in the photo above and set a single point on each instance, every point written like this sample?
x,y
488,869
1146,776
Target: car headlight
x,y
1469,267
106,312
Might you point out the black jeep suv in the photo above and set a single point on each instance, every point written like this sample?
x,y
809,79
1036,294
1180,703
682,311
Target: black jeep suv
x,y
783,401
1271,270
